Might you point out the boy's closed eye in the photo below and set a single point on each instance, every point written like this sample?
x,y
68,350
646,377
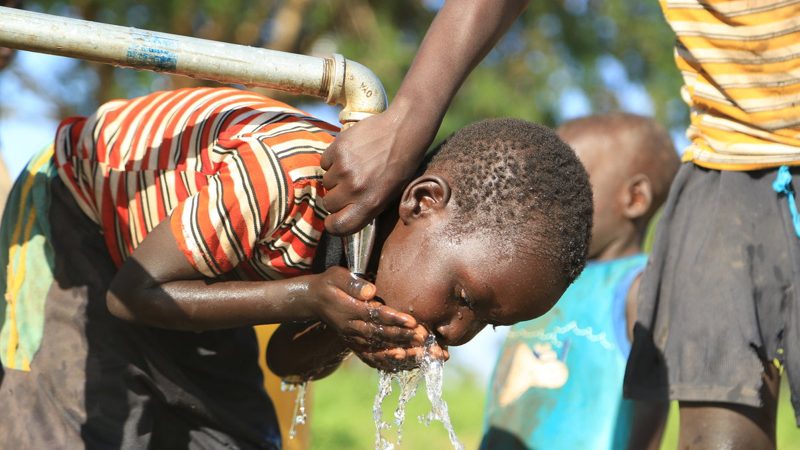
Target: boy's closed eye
x,y
464,299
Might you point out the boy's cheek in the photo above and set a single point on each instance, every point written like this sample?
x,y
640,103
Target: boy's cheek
x,y
406,300
390,287
410,287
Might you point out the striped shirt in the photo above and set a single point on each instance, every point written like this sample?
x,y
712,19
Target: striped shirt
x,y
237,174
740,61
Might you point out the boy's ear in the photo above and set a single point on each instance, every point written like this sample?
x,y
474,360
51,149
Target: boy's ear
x,y
423,196
637,197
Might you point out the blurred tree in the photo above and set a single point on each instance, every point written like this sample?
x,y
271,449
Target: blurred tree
x,y
606,54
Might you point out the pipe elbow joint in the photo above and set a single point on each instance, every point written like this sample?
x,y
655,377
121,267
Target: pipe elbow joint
x,y
356,88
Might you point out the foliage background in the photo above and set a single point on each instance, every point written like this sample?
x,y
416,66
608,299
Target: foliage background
x,y
593,55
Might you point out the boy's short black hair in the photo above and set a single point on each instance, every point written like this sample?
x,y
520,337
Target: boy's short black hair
x,y
520,181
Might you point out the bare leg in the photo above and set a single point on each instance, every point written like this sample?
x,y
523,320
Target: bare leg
x,y
707,425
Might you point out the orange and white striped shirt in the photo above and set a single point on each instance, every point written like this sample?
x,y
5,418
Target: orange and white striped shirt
x,y
740,61
237,174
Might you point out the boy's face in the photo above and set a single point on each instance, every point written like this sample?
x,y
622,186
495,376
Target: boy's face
x,y
455,285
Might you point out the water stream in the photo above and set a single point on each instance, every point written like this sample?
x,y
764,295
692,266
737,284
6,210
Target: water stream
x,y
299,414
432,370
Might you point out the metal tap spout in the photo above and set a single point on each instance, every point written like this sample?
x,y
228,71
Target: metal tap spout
x,y
358,249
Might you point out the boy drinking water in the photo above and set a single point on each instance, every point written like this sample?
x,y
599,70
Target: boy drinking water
x,y
558,381
468,239
195,214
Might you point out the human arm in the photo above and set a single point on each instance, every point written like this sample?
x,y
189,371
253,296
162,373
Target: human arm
x,y
649,418
369,163
157,286
631,303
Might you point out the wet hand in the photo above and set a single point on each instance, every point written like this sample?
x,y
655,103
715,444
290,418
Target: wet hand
x,y
402,358
347,304
368,165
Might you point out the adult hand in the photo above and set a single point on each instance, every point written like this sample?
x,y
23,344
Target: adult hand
x,y
369,164
347,304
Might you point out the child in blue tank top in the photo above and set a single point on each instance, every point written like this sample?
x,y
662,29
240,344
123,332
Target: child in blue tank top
x,y
558,381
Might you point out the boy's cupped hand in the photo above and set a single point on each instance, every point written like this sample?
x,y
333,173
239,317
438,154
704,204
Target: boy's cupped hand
x,y
398,358
348,304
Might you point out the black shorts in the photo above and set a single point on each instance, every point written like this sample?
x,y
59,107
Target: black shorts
x,y
718,299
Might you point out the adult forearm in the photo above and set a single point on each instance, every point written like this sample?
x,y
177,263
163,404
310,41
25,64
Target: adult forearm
x,y
369,164
460,36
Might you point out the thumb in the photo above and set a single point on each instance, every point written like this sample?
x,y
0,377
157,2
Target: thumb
x,y
360,288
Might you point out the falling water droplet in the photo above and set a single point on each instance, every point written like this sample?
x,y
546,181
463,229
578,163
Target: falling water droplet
x,y
299,414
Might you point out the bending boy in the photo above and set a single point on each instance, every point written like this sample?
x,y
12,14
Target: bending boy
x,y
195,214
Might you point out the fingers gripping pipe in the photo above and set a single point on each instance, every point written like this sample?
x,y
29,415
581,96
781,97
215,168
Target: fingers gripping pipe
x,y
335,79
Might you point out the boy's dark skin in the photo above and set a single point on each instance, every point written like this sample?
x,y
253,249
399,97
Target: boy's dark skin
x,y
631,163
424,269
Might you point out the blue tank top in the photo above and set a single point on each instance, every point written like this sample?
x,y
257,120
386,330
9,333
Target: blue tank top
x,y
558,381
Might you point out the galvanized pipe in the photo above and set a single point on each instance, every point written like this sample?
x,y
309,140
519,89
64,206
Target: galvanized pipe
x,y
335,79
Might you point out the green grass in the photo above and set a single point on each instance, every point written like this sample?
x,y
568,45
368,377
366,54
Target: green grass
x,y
341,411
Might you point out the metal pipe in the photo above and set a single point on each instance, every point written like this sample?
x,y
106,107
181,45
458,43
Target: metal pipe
x,y
335,79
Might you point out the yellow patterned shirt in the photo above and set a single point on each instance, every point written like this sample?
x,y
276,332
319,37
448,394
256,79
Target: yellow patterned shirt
x,y
740,62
